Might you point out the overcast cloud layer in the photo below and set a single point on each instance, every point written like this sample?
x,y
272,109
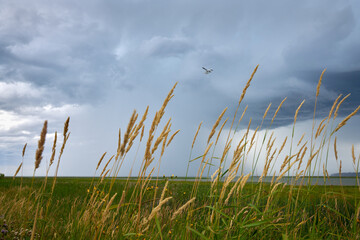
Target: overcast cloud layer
x,y
97,61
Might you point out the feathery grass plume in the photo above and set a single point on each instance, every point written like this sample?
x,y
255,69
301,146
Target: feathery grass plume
x,y
266,111
197,132
53,150
107,163
343,122
297,111
252,139
107,208
311,158
302,157
320,127
247,85
282,145
23,151
128,131
319,83
285,171
243,181
319,131
156,209
102,157
353,153
300,139
338,106
166,101
182,208
335,150
340,168
172,137
41,144
333,106
17,170
163,191
142,132
106,173
220,130
277,110
161,137
66,136
215,125
232,190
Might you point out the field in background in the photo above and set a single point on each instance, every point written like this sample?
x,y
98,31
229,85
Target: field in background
x,y
229,205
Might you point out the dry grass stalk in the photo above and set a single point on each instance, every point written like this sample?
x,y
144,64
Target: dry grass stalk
x,y
53,150
221,128
271,196
128,131
340,168
343,122
232,190
302,157
166,101
102,157
277,110
17,170
41,144
172,137
333,106
335,150
164,191
243,182
247,84
215,125
182,208
23,151
319,83
300,139
282,145
142,132
320,128
353,154
285,171
297,111
319,131
197,132
338,106
311,158
105,213
107,163
252,139
156,209
106,173
266,111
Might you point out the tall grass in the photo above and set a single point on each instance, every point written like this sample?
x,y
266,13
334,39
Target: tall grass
x,y
226,207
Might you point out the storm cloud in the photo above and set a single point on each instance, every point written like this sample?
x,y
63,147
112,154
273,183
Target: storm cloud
x,y
97,61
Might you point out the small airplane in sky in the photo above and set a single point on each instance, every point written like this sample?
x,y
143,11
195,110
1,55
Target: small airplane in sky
x,y
207,71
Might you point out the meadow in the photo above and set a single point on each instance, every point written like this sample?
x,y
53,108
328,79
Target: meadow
x,y
225,206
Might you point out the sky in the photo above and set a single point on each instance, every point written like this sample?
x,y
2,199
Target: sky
x,y
97,61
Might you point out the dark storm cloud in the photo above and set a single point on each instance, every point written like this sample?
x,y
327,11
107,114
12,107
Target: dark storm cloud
x,y
105,59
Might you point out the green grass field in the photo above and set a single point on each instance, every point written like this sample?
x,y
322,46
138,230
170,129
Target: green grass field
x,y
226,206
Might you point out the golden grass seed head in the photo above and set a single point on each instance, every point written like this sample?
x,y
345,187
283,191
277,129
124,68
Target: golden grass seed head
x,y
17,170
353,154
319,83
333,106
343,122
172,137
99,162
220,130
277,110
297,111
215,125
266,111
338,106
300,139
197,132
23,151
335,150
41,144
247,85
